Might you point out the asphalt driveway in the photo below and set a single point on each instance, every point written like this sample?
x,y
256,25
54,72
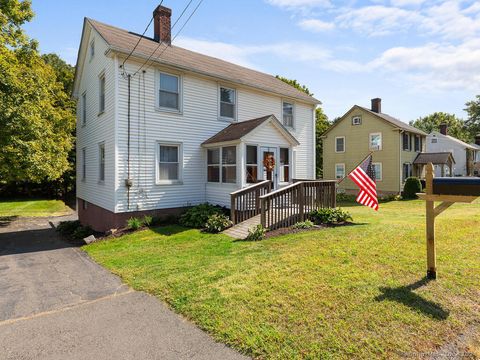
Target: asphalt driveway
x,y
56,303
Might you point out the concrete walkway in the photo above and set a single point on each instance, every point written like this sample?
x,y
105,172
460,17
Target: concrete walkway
x,y
56,303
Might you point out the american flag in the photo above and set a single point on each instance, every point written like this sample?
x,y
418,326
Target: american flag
x,y
364,176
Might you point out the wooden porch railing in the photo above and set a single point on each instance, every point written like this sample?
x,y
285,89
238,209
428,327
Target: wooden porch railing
x,y
291,204
245,203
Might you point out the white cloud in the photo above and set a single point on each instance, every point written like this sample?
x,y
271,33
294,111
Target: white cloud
x,y
377,20
403,3
292,4
316,25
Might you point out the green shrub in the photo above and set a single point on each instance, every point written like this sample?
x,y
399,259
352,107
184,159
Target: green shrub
x,y
329,216
82,232
197,216
68,227
307,224
411,188
147,220
217,223
134,223
342,197
256,233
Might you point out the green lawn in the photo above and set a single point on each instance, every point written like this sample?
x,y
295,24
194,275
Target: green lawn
x,y
27,208
346,292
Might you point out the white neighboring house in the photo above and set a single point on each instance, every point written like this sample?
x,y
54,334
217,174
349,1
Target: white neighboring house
x,y
199,127
464,154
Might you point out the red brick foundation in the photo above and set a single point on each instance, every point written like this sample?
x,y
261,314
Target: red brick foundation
x,y
102,220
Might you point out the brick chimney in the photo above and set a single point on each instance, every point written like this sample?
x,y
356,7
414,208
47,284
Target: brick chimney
x,y
477,139
443,129
162,31
377,105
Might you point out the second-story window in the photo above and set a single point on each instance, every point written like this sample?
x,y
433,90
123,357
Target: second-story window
x,y
92,49
84,109
287,114
101,100
169,92
406,141
227,103
418,143
340,144
376,141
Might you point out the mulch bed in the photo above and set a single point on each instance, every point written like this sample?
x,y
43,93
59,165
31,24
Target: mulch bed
x,y
291,230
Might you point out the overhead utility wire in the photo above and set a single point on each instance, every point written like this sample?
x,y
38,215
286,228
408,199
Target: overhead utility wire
x,y
176,35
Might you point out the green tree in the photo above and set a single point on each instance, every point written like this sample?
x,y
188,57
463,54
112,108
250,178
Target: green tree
x,y
36,123
321,125
432,122
473,121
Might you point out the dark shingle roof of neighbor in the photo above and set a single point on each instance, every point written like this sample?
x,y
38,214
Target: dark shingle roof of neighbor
x,y
396,122
434,158
124,41
236,131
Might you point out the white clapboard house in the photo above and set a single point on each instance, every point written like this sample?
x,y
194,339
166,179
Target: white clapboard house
x,y
182,129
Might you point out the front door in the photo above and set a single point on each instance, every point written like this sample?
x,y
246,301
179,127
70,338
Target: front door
x,y
269,164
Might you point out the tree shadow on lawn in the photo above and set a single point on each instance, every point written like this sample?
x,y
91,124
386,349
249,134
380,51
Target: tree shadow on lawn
x,y
406,296
169,230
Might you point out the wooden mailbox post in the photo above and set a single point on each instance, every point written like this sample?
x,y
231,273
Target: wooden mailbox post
x,y
432,211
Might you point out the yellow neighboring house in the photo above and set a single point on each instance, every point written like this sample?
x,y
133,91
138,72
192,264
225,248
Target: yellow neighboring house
x,y
395,146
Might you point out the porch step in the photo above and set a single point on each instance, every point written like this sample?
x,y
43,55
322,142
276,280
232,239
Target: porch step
x,y
240,231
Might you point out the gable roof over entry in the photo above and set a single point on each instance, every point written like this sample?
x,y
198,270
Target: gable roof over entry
x,y
237,131
440,158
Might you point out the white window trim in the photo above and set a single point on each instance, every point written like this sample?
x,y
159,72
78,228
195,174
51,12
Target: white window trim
x,y
343,166
83,109
251,164
294,107
157,92
357,117
370,141
179,181
381,171
235,104
344,144
280,167
221,165
100,77
100,145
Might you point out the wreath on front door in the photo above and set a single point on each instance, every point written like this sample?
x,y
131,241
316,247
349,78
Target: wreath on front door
x,y
269,162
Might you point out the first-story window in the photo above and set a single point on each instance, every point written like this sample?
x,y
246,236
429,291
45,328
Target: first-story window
x,y
169,92
287,114
229,164
407,171
84,164
375,141
340,144
169,162
284,165
339,171
377,169
101,157
213,164
252,164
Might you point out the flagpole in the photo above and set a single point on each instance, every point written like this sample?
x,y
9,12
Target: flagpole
x,y
365,158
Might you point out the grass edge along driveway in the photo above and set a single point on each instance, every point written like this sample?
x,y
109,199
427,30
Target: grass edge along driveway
x,y
33,208
347,292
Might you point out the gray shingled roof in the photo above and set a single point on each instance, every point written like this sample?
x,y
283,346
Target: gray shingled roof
x,y
124,41
434,158
396,122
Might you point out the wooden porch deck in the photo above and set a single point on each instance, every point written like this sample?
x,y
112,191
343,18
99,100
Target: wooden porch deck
x,y
240,230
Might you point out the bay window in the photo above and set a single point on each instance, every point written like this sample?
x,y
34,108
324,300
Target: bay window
x,y
222,165
284,165
213,165
252,164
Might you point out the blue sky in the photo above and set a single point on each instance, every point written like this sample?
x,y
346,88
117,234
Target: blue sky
x,y
419,56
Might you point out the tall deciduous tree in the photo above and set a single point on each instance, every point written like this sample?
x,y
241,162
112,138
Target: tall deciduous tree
x,y
473,111
35,123
321,125
432,122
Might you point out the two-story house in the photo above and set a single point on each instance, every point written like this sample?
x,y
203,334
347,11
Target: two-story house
x,y
464,154
394,144
160,127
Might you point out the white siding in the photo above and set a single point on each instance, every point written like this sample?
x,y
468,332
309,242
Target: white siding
x,y
444,144
98,128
